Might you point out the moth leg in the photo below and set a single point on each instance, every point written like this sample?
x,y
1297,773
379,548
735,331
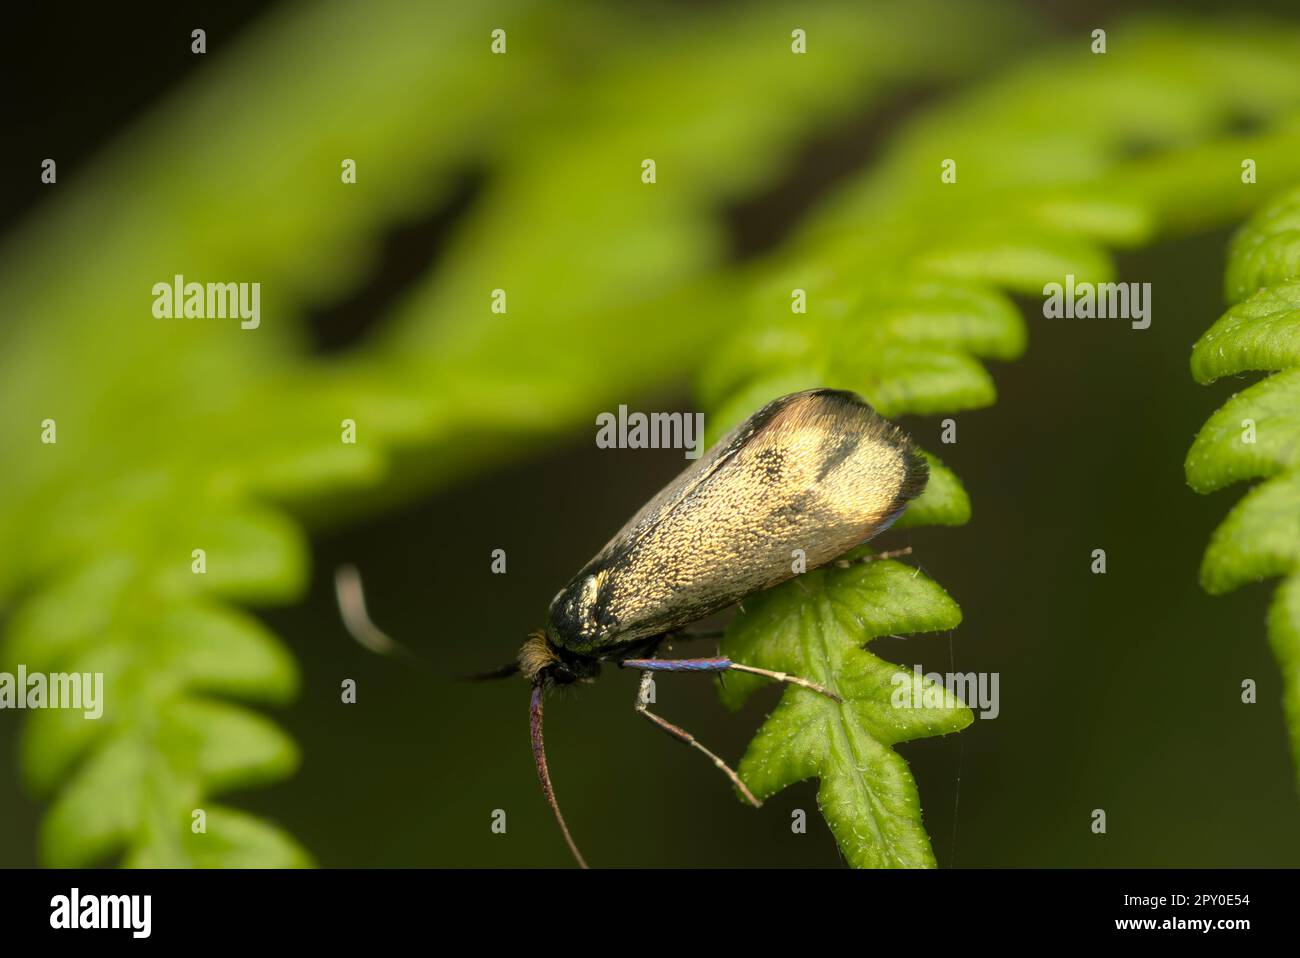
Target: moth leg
x,y
875,557
642,699
723,664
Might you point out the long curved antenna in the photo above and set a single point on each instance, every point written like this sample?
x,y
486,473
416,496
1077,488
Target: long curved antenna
x,y
539,756
352,608
507,670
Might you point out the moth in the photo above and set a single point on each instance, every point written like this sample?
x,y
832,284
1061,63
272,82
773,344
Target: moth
x,y
818,471
808,477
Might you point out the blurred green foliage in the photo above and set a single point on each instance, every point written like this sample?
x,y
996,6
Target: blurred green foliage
x,y
176,435
1256,434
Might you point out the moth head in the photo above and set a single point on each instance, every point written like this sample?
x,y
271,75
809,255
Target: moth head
x,y
541,662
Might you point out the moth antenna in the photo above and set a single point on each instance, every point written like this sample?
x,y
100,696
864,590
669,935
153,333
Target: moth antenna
x,y
511,668
539,756
352,608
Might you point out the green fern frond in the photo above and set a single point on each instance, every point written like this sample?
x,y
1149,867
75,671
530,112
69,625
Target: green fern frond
x,y
867,794
174,436
1256,434
906,281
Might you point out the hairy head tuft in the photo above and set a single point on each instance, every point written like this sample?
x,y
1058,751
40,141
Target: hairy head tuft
x,y
536,656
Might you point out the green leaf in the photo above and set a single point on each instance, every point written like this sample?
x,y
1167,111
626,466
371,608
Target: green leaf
x,y
1256,434
139,788
944,502
1259,539
1261,332
1266,253
817,626
1221,453
231,839
1023,263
